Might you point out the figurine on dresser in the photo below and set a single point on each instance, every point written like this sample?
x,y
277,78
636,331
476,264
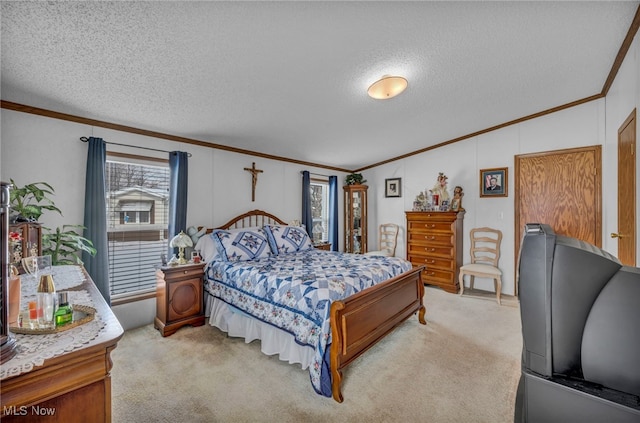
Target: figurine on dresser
x,y
456,202
439,191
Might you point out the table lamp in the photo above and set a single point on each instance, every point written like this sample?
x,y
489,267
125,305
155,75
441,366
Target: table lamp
x,y
181,241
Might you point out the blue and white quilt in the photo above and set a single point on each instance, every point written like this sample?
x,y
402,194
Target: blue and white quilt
x,y
294,292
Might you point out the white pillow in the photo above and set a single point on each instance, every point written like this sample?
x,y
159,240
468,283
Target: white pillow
x,y
207,248
288,239
241,244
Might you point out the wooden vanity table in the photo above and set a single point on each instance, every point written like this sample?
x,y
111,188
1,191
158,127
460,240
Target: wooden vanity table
x,y
72,387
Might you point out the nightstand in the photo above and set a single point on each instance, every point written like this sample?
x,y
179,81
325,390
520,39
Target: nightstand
x,y
179,297
323,246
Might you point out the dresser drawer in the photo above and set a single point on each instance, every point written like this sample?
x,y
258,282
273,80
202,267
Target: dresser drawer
x,y
421,238
430,250
437,276
430,226
433,262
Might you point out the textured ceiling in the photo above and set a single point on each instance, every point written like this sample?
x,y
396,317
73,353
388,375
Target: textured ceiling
x,y
290,78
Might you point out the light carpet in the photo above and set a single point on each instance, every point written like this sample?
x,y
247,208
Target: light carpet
x,y
463,366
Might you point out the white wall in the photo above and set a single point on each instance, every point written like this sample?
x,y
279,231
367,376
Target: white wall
x,y
462,161
593,123
36,148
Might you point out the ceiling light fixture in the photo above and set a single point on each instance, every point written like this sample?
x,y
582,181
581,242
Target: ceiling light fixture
x,y
387,87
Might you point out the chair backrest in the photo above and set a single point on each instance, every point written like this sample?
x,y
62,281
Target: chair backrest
x,y
485,245
388,237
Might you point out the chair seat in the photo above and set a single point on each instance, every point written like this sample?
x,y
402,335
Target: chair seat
x,y
481,268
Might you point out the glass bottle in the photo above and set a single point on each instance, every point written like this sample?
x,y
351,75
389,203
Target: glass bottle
x,y
64,313
15,292
46,298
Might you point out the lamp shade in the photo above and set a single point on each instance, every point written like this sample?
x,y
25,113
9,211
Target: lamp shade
x,y
181,240
387,87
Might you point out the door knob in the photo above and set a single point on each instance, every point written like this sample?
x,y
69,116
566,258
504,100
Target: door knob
x,y
614,235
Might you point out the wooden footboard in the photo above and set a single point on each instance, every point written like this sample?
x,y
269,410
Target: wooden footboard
x,y
361,320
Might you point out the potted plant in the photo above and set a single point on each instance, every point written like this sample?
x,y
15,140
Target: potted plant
x,y
29,202
65,244
355,179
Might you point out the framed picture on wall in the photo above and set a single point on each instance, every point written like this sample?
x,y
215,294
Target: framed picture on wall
x,y
393,187
494,182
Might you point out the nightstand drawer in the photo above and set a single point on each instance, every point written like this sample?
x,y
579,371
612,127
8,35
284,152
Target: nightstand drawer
x,y
181,273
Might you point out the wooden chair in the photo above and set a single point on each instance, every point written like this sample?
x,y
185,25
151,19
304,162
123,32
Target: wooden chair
x,y
387,240
485,254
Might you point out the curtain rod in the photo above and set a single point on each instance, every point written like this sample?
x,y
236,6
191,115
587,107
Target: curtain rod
x,y
85,139
316,174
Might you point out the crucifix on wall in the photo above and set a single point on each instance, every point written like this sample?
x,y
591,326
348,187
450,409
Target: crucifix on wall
x,y
254,179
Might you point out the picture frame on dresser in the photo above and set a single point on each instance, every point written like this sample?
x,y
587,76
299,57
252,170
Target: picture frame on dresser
x,y
494,182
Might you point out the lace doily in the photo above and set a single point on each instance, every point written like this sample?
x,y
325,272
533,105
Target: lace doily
x,y
33,350
64,277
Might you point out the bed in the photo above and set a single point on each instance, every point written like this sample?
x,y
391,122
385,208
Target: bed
x,y
319,308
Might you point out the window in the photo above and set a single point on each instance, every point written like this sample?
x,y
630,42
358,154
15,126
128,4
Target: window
x,y
138,218
320,210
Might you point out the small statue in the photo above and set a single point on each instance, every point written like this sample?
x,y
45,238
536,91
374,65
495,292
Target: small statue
x,y
456,203
440,190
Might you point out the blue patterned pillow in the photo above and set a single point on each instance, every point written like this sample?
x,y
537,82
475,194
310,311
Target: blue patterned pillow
x,y
241,244
288,239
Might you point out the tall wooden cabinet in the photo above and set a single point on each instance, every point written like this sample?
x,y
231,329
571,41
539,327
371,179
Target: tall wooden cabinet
x,y
355,218
434,239
30,243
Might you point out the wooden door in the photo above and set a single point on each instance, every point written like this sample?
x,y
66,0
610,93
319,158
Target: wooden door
x,y
627,191
563,189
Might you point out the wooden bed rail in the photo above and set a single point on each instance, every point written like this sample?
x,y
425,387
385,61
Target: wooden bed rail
x,y
361,320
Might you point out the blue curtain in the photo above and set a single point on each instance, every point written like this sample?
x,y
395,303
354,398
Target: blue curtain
x,y
95,216
333,212
307,218
178,181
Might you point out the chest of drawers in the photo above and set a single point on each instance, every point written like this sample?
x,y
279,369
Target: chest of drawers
x,y
434,240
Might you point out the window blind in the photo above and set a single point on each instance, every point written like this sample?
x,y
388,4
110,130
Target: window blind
x,y
137,213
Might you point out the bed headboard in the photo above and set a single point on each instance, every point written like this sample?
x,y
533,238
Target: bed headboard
x,y
251,219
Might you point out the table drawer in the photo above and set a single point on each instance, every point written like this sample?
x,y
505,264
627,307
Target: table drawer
x,y
430,250
423,238
433,262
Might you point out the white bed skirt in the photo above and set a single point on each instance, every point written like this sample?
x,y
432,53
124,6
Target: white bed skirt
x,y
273,340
